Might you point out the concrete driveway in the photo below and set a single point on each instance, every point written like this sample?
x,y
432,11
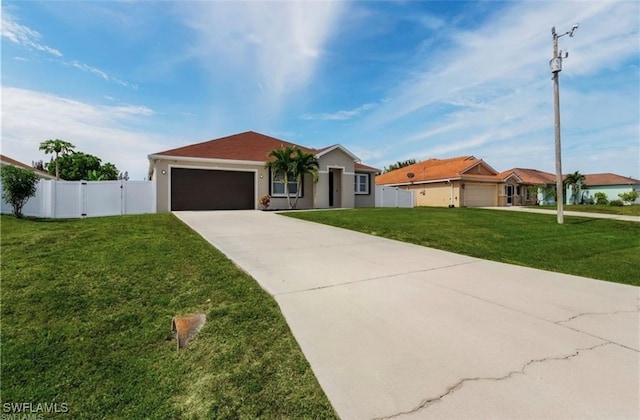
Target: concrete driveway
x,y
394,330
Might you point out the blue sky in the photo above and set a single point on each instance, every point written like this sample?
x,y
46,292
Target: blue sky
x,y
388,80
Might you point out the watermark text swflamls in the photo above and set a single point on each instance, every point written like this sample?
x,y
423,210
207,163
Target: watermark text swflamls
x,y
31,410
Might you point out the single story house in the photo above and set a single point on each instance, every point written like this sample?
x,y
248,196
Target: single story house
x,y
5,160
230,173
463,181
527,187
608,183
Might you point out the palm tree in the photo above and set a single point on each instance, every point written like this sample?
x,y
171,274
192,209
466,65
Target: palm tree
x,y
303,163
282,165
58,147
574,181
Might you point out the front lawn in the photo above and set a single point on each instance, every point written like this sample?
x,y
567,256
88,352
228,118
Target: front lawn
x,y
632,210
597,248
86,308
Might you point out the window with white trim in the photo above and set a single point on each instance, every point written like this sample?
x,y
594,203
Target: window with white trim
x,y
277,185
361,183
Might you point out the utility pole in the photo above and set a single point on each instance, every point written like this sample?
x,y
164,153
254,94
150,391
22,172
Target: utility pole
x,y
556,68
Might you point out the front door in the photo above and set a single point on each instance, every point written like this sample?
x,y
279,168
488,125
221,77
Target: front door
x,y
509,195
330,188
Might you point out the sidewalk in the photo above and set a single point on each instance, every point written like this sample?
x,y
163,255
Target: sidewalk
x,y
569,213
395,330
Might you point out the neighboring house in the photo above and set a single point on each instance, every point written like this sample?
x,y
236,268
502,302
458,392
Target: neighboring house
x,y
229,173
526,187
608,183
463,181
5,160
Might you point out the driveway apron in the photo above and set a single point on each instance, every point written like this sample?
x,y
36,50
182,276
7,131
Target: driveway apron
x,y
395,330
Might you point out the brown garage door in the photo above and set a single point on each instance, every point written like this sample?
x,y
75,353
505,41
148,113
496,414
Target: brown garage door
x,y
201,189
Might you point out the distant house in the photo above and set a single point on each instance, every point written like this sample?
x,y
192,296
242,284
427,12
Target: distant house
x,y
5,160
463,181
229,173
608,183
527,187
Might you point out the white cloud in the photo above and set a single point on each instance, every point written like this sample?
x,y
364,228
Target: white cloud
x,y
514,49
28,38
101,74
490,93
30,117
339,115
274,45
23,35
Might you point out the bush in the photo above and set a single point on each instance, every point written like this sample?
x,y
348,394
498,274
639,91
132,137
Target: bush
x,y
264,201
601,198
18,185
617,203
629,197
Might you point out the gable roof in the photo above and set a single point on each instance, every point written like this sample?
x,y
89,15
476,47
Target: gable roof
x,y
530,176
438,170
329,149
6,160
247,146
609,179
365,168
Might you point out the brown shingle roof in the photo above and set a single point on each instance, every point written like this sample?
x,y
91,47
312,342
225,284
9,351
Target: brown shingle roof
x,y
608,179
530,176
434,169
247,146
9,161
366,168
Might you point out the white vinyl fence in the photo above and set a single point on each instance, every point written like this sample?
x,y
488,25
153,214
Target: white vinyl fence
x,y
393,197
70,199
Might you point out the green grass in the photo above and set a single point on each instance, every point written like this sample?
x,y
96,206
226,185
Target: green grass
x,y
597,248
86,307
632,210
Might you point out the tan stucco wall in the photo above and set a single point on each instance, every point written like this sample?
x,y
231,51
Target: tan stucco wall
x,y
342,163
367,200
435,195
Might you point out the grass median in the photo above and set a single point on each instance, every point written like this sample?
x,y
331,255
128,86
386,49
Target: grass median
x,y
596,248
86,308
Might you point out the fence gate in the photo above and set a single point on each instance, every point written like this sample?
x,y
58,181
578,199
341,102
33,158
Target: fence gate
x,y
72,199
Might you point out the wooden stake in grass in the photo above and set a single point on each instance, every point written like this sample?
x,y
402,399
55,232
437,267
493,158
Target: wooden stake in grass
x,y
184,328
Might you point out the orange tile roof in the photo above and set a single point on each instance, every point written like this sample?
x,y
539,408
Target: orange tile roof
x,y
248,146
609,179
530,176
7,160
434,169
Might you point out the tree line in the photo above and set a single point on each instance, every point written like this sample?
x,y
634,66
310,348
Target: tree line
x,y
71,165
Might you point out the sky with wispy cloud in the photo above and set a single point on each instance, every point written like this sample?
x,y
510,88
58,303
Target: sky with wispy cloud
x,y
388,80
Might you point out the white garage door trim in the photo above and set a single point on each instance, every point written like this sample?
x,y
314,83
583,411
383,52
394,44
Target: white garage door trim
x,y
213,168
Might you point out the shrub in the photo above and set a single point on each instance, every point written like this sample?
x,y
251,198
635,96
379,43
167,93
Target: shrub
x,y
264,201
601,198
629,197
18,185
617,203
